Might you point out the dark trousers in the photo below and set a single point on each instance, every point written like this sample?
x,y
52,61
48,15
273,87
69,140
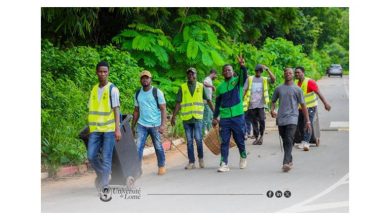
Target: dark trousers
x,y
257,117
227,127
248,122
287,133
306,135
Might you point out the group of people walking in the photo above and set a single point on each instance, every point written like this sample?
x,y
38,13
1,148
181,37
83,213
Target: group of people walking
x,y
239,98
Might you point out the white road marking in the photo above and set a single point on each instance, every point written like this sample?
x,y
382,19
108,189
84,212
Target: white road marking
x,y
339,124
299,206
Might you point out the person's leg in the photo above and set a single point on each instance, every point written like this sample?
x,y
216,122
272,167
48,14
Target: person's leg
x,y
301,124
283,135
262,121
156,139
255,127
198,138
289,140
94,145
205,119
238,134
209,118
142,134
307,134
189,130
225,132
248,123
108,149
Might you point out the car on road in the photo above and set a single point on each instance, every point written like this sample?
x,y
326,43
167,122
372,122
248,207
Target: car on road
x,y
335,69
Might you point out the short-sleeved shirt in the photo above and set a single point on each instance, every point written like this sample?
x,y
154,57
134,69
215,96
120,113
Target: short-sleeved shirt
x,y
150,114
114,96
209,90
290,96
257,95
311,86
191,87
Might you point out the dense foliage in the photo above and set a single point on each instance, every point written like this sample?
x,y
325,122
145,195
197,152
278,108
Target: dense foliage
x,y
166,41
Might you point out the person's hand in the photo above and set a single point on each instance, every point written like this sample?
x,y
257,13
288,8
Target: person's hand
x,y
173,121
308,126
273,114
241,60
213,88
327,107
118,135
265,67
161,129
215,122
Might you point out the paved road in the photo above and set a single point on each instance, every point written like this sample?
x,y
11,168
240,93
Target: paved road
x,y
319,181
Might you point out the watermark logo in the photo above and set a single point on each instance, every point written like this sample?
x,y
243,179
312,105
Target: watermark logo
x,y
122,192
106,195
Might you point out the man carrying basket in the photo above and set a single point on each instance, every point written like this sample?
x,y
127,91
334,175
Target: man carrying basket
x,y
229,107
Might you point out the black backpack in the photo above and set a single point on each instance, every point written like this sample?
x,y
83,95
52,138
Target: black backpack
x,y
154,91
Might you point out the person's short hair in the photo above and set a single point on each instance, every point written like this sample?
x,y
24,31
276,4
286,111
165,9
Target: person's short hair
x,y
102,63
300,68
213,71
286,68
225,66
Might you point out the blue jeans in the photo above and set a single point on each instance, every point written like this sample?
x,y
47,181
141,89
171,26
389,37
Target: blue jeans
x,y
143,133
207,118
227,126
104,143
307,135
194,130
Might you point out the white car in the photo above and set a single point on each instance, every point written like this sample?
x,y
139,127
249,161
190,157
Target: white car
x,y
335,69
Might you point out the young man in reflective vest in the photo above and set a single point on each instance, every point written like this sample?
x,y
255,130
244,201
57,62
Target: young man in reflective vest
x,y
310,91
229,107
103,121
256,99
190,102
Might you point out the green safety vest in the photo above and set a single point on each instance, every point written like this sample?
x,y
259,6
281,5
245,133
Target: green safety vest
x,y
101,116
247,97
310,98
192,105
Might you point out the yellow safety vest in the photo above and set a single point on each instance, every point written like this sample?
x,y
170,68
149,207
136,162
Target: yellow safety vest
x,y
247,97
310,98
101,116
192,105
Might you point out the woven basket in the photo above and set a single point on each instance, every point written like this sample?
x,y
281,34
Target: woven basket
x,y
213,141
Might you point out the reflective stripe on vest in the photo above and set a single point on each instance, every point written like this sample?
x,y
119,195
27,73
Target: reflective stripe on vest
x,y
101,116
192,105
247,97
310,98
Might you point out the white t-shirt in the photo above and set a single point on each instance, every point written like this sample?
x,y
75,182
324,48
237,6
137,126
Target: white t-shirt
x,y
209,90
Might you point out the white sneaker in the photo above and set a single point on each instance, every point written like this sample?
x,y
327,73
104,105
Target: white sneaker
x,y
299,145
223,168
306,146
242,163
190,166
201,163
